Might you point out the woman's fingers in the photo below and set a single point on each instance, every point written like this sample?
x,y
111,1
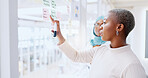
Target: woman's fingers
x,y
58,24
52,19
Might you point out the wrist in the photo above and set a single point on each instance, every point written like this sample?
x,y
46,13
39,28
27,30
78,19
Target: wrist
x,y
60,38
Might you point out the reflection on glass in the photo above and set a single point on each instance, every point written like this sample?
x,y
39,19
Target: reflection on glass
x,y
39,56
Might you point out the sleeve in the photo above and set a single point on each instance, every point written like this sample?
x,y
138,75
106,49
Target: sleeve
x,y
134,71
84,56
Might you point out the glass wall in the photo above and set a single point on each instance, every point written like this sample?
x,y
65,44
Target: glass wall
x,y
39,56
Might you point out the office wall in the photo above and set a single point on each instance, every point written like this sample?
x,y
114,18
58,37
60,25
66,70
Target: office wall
x,y
8,39
146,45
3,26
0,51
138,35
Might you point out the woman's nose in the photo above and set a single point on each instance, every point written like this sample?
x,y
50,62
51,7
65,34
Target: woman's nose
x,y
101,28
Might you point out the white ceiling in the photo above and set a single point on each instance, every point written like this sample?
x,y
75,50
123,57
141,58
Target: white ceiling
x,y
116,3
128,3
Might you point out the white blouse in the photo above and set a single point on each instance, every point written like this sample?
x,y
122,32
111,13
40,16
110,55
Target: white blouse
x,y
107,62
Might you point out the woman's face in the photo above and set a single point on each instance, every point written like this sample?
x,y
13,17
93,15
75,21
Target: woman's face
x,y
108,32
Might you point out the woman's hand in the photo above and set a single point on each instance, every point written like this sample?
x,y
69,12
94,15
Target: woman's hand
x,y
58,33
98,27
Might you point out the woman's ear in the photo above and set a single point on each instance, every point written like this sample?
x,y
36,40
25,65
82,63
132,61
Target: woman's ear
x,y
119,27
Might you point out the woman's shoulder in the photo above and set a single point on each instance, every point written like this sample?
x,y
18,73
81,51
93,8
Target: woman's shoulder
x,y
101,49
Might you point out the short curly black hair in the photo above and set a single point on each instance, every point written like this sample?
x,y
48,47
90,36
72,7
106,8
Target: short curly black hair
x,y
124,17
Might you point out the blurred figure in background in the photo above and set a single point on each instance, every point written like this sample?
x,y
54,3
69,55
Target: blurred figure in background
x,y
97,41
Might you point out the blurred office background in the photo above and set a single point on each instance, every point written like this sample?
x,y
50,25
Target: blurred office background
x,y
37,51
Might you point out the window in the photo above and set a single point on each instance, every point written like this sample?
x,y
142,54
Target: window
x,y
39,56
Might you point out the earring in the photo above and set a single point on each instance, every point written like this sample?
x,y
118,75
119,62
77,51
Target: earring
x,y
117,33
